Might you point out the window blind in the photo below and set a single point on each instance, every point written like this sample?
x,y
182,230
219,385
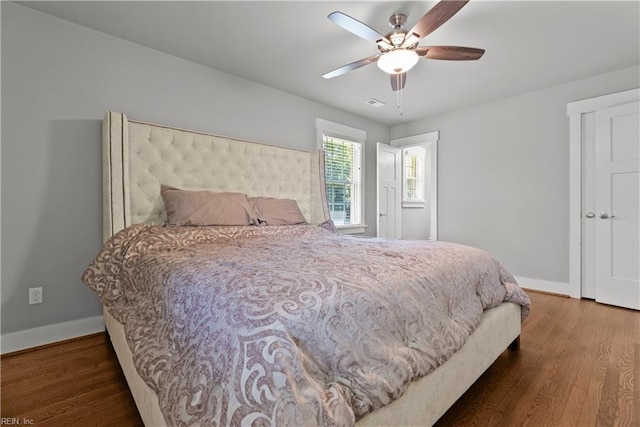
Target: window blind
x,y
343,176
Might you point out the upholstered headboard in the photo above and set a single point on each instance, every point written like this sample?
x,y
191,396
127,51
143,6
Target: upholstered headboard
x,y
138,157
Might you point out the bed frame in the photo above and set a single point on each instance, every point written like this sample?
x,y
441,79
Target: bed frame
x,y
139,156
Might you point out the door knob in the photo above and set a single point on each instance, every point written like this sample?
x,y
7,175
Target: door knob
x,y
605,215
590,215
381,214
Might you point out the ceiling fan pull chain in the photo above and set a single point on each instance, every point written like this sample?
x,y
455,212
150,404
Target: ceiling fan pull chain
x,y
399,94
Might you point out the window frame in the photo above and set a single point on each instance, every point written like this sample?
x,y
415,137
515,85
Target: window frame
x,y
421,179
347,133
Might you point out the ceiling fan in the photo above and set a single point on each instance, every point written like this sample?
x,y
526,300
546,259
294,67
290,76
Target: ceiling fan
x,y
399,50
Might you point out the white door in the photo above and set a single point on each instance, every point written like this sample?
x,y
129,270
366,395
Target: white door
x,y
617,202
389,174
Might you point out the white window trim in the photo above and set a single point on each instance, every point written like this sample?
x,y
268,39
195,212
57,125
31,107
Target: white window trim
x,y
428,140
352,228
414,203
417,203
337,130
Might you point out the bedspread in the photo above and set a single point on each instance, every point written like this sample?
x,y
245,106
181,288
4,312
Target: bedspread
x,y
289,325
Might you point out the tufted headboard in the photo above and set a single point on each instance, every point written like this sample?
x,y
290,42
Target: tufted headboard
x,y
138,157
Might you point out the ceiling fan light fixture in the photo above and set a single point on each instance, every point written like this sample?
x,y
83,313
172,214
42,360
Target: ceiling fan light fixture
x,y
398,61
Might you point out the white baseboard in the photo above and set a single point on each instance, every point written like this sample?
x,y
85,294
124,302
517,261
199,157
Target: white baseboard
x,y
21,340
544,285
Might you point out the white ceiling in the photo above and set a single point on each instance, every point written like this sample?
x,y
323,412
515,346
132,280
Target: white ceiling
x,y
288,45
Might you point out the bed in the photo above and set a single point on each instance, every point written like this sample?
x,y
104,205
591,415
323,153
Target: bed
x,y
294,372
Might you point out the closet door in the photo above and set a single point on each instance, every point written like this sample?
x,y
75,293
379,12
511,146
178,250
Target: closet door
x,y
617,214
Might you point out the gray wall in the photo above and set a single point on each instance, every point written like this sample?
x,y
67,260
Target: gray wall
x,y
58,80
416,223
503,174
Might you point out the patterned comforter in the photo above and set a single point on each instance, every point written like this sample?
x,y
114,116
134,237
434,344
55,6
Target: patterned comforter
x,y
289,325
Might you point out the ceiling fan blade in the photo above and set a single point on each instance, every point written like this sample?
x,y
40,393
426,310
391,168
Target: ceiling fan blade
x,y
398,81
356,27
350,67
450,53
436,16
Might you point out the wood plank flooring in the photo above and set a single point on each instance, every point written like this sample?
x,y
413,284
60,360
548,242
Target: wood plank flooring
x,y
77,383
578,365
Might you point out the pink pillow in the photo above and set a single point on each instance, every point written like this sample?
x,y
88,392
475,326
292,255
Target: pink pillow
x,y
206,208
277,211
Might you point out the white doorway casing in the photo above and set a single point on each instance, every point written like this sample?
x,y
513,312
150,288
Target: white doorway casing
x,y
429,141
591,249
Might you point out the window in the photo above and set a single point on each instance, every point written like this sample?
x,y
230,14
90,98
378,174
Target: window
x,y
342,163
344,176
413,174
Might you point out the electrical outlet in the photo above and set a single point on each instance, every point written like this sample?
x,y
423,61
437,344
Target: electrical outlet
x,y
35,295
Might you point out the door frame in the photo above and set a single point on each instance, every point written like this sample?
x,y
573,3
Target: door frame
x,y
428,140
575,110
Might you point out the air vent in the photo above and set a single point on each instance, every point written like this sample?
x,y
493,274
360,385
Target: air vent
x,y
375,103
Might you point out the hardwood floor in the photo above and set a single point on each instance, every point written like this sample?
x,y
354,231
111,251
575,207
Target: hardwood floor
x,y
578,365
76,383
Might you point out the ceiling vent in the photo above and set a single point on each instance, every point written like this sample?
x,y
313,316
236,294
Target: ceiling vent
x,y
375,103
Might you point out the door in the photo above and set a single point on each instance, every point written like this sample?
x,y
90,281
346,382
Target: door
x,y
389,173
617,203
